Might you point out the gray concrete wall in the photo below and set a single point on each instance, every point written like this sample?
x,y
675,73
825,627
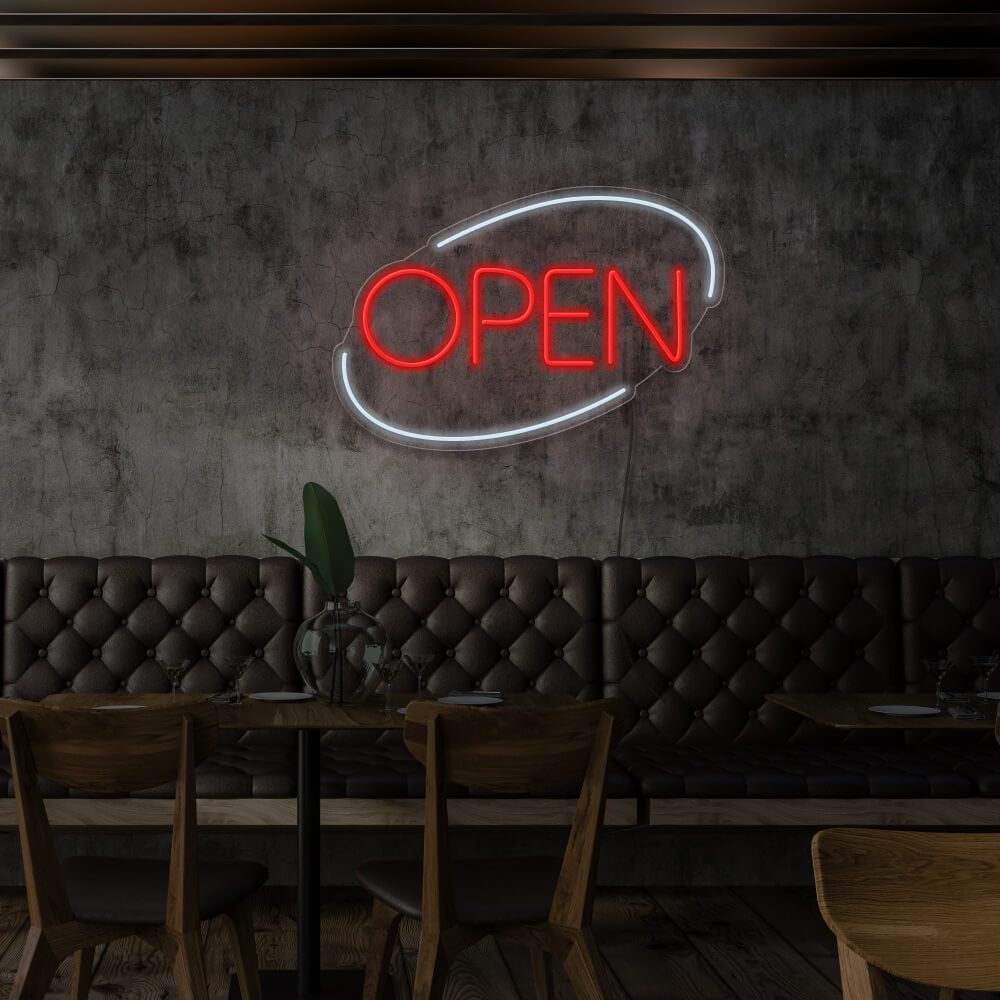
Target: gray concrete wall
x,y
179,259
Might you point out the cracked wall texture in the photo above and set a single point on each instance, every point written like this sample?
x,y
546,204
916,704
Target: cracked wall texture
x,y
178,260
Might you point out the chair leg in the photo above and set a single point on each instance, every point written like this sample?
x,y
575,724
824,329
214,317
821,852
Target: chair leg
x,y
240,923
83,969
383,924
541,967
432,968
859,980
585,967
189,967
37,967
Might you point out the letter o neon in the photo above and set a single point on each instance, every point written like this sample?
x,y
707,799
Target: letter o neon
x,y
423,274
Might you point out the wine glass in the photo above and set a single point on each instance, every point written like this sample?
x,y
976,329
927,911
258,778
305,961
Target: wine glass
x,y
387,670
985,665
938,670
239,666
175,670
419,663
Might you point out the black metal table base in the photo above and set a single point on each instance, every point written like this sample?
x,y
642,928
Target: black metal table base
x,y
331,984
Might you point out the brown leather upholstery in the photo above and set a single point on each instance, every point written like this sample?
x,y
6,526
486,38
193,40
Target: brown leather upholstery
x,y
497,891
694,645
798,771
527,622
980,764
516,624
950,609
235,771
389,771
97,625
134,891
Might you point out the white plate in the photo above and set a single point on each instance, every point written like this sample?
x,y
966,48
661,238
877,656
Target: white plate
x,y
904,710
281,696
471,699
113,708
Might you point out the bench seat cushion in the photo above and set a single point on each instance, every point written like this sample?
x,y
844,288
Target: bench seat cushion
x,y
979,763
844,771
235,771
389,771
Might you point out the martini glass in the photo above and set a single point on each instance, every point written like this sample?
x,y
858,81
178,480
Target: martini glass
x,y
239,666
986,665
419,663
175,671
387,670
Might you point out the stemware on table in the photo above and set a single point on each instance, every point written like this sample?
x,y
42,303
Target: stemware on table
x,y
175,671
985,666
418,664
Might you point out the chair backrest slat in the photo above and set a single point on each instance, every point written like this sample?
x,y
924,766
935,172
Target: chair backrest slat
x,y
509,749
920,905
115,751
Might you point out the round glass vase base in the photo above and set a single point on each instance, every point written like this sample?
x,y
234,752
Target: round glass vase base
x,y
338,652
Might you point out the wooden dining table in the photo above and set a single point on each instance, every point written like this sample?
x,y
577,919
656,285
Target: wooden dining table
x,y
852,710
310,719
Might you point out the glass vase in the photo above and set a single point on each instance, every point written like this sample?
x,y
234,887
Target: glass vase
x,y
338,652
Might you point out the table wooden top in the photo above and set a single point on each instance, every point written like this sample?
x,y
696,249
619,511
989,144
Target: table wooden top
x,y
251,714
851,711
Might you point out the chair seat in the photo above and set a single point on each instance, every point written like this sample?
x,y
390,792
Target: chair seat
x,y
134,891
487,891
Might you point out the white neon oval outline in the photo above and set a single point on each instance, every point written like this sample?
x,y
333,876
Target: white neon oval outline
x,y
569,199
470,438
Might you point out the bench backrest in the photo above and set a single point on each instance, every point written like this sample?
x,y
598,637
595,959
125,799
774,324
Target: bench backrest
x,y
694,645
98,625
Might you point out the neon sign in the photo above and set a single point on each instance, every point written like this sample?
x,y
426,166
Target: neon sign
x,y
618,292
448,327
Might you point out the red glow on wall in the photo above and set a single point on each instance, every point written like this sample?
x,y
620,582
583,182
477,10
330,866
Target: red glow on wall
x,y
377,287
481,320
616,283
554,282
549,314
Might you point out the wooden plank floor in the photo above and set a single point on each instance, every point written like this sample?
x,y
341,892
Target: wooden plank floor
x,y
681,944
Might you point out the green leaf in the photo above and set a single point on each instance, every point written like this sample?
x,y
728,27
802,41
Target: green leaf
x,y
323,583
990,483
328,543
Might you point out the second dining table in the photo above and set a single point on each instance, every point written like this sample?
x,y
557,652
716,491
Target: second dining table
x,y
861,710
310,718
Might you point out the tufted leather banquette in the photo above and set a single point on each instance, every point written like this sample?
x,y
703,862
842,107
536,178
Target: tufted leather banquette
x,y
692,646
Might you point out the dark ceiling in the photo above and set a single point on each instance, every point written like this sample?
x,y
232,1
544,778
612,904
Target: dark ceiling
x,y
570,40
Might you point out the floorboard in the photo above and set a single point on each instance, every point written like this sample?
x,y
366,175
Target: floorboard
x,y
685,944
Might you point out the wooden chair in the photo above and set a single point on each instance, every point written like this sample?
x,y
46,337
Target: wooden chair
x,y
923,906
79,903
545,903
